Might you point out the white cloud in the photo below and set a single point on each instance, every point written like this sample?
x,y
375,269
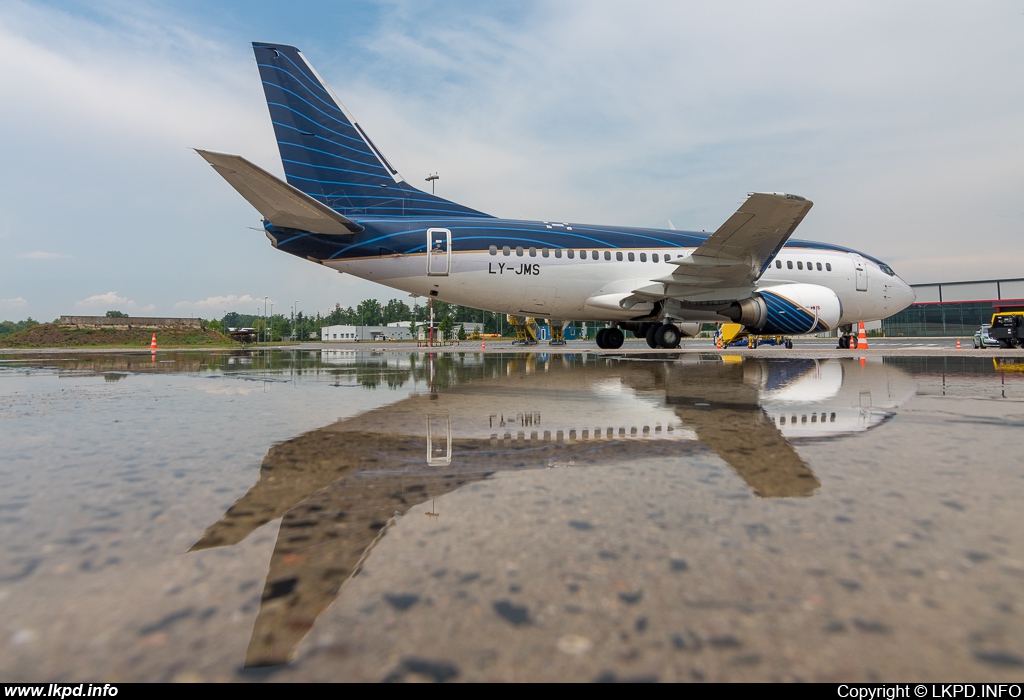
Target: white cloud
x,y
222,303
109,299
15,303
42,255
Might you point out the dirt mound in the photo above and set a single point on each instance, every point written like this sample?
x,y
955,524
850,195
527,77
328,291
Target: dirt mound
x,y
50,335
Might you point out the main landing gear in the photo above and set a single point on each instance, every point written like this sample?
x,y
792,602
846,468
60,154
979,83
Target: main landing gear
x,y
610,338
662,335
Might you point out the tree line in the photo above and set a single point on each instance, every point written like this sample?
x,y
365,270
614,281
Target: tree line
x,y
369,312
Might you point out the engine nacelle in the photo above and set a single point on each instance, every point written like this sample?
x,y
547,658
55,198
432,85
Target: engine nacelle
x,y
788,309
689,330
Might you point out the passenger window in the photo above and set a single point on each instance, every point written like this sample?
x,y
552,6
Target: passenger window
x,y
545,252
558,252
632,257
595,255
505,250
828,266
618,256
782,420
799,265
493,250
819,266
778,264
789,264
654,258
533,252
519,250
643,257
570,253
810,266
607,255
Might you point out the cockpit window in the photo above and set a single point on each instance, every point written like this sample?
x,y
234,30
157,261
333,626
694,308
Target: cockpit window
x,y
887,270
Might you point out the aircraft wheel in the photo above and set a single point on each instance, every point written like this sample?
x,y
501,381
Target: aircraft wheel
x,y
789,344
667,336
613,338
600,339
652,332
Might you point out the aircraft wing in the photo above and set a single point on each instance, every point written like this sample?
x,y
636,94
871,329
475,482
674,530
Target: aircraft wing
x,y
278,202
730,261
723,407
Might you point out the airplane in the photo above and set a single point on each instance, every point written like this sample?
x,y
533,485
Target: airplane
x,y
506,413
346,207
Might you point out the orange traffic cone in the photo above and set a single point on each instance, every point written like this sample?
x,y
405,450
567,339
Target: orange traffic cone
x,y
957,343
862,338
152,345
483,344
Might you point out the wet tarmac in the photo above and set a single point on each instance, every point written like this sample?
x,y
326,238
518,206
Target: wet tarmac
x,y
343,514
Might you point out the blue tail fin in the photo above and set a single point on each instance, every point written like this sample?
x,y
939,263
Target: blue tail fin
x,y
325,152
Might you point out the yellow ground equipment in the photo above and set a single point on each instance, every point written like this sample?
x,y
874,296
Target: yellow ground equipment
x,y
731,333
527,330
557,333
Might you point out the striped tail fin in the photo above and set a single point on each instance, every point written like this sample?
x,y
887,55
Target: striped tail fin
x,y
325,152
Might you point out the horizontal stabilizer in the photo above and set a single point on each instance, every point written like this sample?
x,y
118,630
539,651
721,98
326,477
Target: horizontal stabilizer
x,y
278,202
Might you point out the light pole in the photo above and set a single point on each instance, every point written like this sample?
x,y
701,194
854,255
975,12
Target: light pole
x,y
264,319
295,312
271,321
431,179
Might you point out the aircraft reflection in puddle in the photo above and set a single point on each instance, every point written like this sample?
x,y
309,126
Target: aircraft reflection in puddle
x,y
340,488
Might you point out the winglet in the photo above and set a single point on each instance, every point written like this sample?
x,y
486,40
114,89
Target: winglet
x,y
278,202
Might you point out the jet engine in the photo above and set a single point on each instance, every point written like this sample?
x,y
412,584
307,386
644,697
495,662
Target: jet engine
x,y
788,309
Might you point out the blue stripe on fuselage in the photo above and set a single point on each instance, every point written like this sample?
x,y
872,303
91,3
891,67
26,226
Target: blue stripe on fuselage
x,y
407,236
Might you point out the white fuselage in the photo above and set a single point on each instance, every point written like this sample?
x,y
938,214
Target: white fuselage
x,y
535,282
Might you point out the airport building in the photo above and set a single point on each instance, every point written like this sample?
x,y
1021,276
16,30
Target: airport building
x,y
955,308
352,334
392,331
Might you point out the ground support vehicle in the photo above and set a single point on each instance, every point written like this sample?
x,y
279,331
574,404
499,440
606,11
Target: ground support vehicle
x,y
1008,328
735,335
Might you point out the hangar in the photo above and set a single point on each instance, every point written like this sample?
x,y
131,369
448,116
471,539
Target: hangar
x,y
954,308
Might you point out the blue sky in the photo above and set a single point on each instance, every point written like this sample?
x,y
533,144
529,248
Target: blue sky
x,y
902,121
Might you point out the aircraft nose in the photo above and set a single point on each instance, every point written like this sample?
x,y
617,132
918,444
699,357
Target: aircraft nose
x,y
907,294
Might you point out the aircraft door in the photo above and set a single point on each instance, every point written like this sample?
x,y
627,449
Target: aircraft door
x,y
439,252
862,273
